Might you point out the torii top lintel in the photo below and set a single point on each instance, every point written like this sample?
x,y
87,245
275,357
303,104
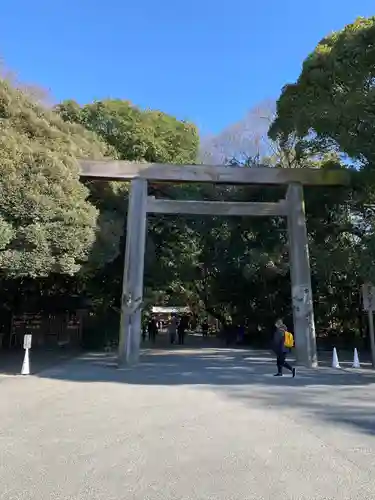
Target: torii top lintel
x,y
125,171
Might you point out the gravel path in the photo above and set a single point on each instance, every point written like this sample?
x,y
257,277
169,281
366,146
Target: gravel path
x,y
188,424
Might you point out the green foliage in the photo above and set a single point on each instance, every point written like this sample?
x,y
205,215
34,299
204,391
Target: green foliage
x,y
136,135
331,109
46,224
330,113
218,264
333,100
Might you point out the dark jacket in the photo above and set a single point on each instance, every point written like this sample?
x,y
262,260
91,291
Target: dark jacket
x,y
279,342
152,327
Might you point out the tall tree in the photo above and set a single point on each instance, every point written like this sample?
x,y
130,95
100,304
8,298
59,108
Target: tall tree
x,y
46,223
332,104
136,134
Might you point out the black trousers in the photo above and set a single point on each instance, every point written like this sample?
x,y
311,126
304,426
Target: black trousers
x,y
282,363
181,337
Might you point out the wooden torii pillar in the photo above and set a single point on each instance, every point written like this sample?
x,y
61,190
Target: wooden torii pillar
x,y
132,287
300,276
140,204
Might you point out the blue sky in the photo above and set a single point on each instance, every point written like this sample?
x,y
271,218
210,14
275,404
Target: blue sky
x,y
208,61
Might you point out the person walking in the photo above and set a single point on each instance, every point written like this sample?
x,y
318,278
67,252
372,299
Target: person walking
x,y
282,343
181,329
152,330
240,334
172,328
144,328
205,328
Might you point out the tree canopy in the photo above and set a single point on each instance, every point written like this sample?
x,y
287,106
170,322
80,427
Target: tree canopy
x,y
46,223
332,104
135,134
329,116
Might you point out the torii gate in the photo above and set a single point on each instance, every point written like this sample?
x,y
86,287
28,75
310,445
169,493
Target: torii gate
x,y
140,204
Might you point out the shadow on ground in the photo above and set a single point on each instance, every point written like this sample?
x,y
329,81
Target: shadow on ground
x,y
335,396
184,366
40,359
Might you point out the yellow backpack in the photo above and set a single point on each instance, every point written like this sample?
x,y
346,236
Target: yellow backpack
x,y
288,340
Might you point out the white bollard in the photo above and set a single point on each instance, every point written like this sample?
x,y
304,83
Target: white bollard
x,y
25,370
26,363
356,363
335,359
